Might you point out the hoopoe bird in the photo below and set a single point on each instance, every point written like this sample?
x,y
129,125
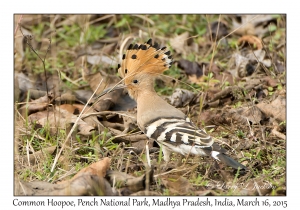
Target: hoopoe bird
x,y
160,121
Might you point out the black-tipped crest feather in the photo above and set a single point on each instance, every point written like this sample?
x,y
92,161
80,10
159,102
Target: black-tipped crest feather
x,y
144,58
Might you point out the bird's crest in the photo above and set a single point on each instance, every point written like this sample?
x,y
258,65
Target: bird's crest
x,y
144,58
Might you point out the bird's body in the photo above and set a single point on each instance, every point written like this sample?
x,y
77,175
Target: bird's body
x,y
170,127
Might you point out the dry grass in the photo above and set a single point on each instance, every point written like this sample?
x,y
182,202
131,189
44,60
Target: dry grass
x,y
65,64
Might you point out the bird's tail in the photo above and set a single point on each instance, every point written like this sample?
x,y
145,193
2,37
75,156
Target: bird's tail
x,y
228,160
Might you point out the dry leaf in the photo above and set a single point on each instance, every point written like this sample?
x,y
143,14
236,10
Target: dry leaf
x,y
276,108
177,184
88,181
84,185
88,115
109,100
36,105
191,68
181,97
253,114
94,80
218,30
60,118
66,97
100,59
131,183
178,43
24,82
270,82
99,168
259,56
252,24
83,95
37,156
244,65
255,41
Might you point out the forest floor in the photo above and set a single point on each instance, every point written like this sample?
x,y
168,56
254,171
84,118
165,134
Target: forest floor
x,y
228,76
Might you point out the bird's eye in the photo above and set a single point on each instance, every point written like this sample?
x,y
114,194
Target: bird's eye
x,y
135,81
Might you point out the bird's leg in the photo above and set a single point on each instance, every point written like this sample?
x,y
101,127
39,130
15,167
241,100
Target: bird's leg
x,y
166,153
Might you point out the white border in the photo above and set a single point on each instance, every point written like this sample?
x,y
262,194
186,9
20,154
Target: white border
x,y
159,7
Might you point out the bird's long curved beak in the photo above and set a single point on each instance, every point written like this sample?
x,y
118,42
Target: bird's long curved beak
x,y
110,89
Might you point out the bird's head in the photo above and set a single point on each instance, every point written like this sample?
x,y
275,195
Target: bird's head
x,y
141,64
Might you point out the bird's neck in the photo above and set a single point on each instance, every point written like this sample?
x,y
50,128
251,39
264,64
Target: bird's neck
x,y
147,96
147,104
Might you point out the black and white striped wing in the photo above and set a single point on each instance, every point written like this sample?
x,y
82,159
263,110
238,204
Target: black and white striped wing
x,y
177,132
181,136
